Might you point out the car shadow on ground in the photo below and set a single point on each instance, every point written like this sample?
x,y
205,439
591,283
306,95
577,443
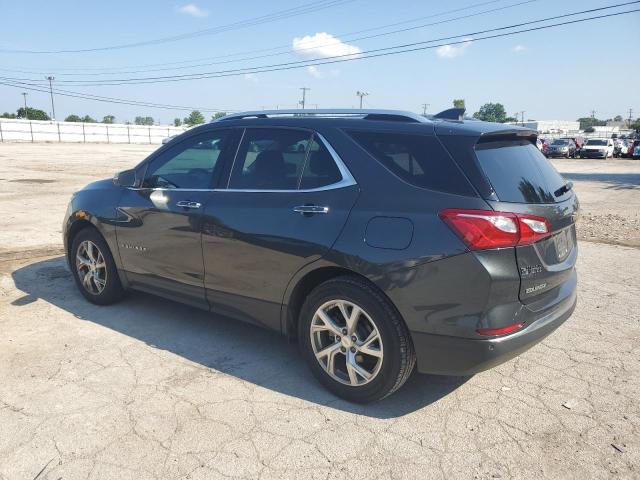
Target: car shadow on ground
x,y
244,351
618,181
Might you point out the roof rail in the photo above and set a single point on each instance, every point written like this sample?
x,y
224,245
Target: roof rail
x,y
393,115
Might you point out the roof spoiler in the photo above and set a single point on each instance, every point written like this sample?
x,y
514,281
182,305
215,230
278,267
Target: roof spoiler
x,y
451,114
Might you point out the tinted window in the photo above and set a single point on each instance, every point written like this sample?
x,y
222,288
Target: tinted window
x,y
519,173
597,142
417,159
270,159
320,169
188,165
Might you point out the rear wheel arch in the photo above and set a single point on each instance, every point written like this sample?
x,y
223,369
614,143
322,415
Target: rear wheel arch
x,y
310,281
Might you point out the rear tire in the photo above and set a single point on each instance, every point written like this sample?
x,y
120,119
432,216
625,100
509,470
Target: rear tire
x,y
354,340
94,269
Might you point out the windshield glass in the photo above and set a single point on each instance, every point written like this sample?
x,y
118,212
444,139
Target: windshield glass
x,y
596,142
560,142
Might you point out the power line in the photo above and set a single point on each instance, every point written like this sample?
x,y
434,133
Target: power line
x,y
278,15
18,84
96,98
288,47
374,53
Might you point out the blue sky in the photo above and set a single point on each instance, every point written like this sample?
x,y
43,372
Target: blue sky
x,y
561,73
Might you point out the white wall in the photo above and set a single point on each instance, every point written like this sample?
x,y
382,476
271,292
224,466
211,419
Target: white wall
x,y
14,130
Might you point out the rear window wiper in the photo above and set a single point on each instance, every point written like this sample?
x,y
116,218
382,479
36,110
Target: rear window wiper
x,y
563,189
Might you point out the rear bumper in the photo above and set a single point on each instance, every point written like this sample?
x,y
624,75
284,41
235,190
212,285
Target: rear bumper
x,y
445,355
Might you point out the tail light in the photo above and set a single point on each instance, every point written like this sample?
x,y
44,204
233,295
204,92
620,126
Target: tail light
x,y
500,331
484,229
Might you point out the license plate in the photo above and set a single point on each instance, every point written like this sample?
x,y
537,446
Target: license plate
x,y
563,242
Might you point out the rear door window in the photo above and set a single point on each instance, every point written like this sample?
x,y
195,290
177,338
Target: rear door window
x,y
270,159
417,159
320,169
520,173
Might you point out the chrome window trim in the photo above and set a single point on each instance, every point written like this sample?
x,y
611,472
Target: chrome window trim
x,y
346,181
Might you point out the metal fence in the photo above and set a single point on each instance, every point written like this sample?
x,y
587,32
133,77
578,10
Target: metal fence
x,y
16,130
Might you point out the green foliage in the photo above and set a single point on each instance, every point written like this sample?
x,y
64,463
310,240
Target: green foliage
x,y
617,118
108,119
8,115
458,103
177,122
635,125
32,114
218,115
510,119
88,119
587,122
491,112
73,118
589,130
144,121
194,118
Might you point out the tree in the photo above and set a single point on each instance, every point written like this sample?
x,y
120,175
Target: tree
x,y
8,115
32,114
108,119
617,118
586,122
195,118
458,103
143,121
73,118
511,120
589,130
491,112
177,122
218,115
88,119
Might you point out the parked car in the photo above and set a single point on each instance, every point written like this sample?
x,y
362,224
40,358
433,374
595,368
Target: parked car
x,y
579,141
634,149
620,148
598,148
392,241
562,147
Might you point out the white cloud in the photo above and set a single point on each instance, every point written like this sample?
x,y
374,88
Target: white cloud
x,y
323,45
452,51
193,10
519,49
314,71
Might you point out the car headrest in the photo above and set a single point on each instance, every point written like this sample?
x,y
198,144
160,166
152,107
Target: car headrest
x,y
270,163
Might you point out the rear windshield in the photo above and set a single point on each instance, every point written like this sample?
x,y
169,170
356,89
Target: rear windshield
x,y
519,173
560,142
596,142
417,159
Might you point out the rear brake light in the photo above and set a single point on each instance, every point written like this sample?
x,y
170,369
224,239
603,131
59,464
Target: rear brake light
x,y
500,331
484,229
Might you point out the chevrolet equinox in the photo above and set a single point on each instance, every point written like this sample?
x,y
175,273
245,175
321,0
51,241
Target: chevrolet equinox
x,y
383,240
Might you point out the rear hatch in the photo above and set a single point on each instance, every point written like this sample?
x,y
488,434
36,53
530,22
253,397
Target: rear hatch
x,y
524,182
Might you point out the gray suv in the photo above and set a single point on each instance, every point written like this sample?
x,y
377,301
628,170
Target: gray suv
x,y
382,241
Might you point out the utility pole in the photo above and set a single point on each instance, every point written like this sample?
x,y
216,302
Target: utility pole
x,y
630,116
51,78
304,96
361,95
593,114
26,112
522,117
424,108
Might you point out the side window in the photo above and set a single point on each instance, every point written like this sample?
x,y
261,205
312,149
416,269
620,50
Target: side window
x,y
417,159
270,159
188,165
320,169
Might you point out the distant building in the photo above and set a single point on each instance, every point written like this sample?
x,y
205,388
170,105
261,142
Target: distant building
x,y
563,127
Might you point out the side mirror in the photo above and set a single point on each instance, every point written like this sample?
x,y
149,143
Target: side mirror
x,y
126,178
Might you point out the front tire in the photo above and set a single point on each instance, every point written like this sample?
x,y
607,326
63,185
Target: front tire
x,y
94,269
354,340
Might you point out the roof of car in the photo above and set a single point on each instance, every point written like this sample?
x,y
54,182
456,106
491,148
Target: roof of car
x,y
449,122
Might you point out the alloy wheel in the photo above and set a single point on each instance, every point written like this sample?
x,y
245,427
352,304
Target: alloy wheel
x,y
91,267
346,342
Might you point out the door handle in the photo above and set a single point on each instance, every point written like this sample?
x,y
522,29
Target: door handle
x,y
188,204
310,209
